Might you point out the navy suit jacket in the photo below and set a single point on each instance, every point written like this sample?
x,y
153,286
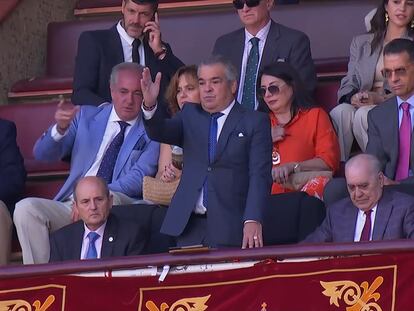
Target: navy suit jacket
x,y
98,52
137,158
239,179
394,219
121,238
12,172
282,44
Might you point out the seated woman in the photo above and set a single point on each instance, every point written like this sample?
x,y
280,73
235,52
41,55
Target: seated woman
x,y
303,137
183,88
363,87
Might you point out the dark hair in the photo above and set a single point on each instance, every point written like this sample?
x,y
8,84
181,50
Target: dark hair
x,y
289,75
398,46
379,26
154,3
171,92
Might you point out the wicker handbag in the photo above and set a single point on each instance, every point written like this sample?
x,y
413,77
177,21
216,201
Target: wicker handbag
x,y
157,191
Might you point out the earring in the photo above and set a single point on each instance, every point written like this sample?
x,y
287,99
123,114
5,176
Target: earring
x,y
386,18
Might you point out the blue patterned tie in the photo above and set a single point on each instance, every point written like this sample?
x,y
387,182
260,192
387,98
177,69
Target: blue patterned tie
x,y
212,143
249,86
106,169
92,253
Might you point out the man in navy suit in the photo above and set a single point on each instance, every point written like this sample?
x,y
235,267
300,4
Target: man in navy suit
x,y
135,38
370,212
12,178
225,183
98,234
275,43
89,135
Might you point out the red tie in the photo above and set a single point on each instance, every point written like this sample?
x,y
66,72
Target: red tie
x,y
404,144
366,231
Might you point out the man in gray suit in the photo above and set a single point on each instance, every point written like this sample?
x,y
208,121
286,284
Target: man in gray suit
x,y
370,213
261,42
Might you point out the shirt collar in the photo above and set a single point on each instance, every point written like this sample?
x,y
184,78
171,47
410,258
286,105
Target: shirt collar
x,y
374,209
113,117
261,35
99,231
228,109
409,100
124,35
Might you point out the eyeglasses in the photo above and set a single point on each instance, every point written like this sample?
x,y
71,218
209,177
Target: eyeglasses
x,y
272,89
399,72
239,4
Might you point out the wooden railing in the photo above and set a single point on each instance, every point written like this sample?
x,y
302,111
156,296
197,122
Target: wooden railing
x,y
213,256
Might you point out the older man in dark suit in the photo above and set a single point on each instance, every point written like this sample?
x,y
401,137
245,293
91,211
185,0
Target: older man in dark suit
x,y
98,234
225,184
370,213
135,38
261,42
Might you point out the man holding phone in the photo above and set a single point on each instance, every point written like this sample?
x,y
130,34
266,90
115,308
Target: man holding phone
x,y
135,38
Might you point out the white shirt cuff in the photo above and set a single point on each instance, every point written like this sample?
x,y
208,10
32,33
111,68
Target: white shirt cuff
x,y
56,135
148,114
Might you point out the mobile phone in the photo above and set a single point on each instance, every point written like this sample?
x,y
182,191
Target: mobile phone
x,y
146,33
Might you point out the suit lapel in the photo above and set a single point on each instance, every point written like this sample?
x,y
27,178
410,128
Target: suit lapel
x,y
134,135
96,129
109,237
349,222
77,238
238,49
236,113
382,216
391,129
369,64
270,50
116,53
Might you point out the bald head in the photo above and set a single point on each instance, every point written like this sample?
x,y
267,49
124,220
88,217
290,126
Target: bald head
x,y
364,181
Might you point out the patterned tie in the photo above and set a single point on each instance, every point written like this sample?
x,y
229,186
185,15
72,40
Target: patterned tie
x,y
106,169
249,86
366,231
404,144
135,53
212,143
92,253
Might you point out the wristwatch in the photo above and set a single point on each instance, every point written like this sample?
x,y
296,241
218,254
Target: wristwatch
x,y
160,53
296,168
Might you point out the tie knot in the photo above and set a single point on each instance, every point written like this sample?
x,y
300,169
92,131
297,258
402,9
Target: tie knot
x,y
405,106
255,41
123,125
368,213
216,115
136,43
93,236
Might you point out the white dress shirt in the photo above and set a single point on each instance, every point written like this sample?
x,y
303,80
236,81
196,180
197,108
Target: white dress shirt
x,y
361,222
127,41
98,242
262,36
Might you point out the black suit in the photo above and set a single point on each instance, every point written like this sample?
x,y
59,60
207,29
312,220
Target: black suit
x,y
121,238
98,52
282,44
239,178
12,172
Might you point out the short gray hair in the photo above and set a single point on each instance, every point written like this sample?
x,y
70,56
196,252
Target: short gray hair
x,y
230,70
369,159
126,66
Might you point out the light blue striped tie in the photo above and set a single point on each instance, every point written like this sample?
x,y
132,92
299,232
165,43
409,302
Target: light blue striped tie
x,y
92,253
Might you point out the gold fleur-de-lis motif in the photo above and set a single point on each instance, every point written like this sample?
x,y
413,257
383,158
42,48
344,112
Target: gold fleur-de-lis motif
x,y
357,298
185,304
22,305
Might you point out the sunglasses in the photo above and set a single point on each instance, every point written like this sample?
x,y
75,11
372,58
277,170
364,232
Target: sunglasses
x,y
399,72
239,4
272,89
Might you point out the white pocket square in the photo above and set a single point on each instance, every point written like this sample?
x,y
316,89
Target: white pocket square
x,y
240,135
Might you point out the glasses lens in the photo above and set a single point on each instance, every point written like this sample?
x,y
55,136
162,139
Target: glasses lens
x,y
273,89
252,3
261,92
238,4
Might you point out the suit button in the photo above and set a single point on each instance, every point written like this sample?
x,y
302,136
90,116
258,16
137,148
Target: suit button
x,y
209,169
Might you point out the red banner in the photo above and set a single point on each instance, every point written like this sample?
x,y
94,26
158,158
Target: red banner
x,y
360,283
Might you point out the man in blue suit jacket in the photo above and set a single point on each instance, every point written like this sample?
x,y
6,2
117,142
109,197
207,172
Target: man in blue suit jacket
x,y
100,50
86,134
12,178
391,213
222,194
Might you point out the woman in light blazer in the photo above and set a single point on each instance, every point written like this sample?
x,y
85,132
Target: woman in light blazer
x,y
363,87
